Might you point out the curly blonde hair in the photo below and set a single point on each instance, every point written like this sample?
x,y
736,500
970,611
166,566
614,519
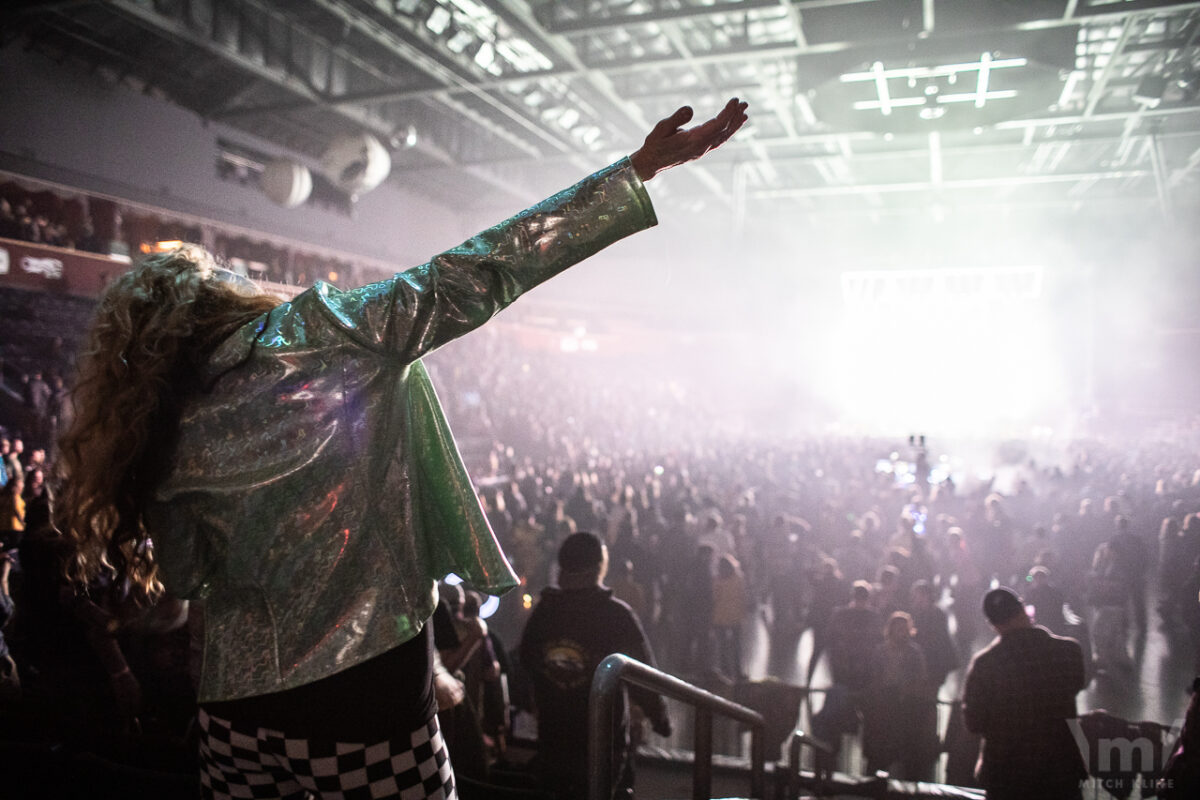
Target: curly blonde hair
x,y
155,327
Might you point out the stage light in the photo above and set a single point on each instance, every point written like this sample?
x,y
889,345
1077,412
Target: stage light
x,y
356,163
932,109
165,246
439,20
286,183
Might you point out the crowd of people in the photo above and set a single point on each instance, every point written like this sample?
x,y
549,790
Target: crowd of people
x,y
49,219
703,532
797,524
706,530
22,222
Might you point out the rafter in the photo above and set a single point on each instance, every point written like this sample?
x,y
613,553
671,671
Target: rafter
x,y
773,51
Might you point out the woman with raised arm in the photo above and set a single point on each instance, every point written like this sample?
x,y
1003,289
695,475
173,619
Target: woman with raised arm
x,y
290,465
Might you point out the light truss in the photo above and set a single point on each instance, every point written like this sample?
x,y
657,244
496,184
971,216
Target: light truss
x,y
924,73
886,104
516,83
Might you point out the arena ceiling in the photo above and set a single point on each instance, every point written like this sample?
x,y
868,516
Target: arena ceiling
x,y
860,107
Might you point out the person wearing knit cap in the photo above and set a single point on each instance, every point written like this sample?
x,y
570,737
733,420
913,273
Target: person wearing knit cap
x,y
1018,696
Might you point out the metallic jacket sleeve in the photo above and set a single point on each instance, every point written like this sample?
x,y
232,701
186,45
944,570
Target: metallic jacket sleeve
x,y
459,290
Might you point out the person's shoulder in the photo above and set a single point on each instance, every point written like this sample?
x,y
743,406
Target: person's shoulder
x,y
1063,643
619,607
988,654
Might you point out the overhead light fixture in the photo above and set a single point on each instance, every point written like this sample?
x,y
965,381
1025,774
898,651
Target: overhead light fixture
x,y
568,118
941,99
932,109
459,41
486,55
406,138
881,88
985,71
1189,84
1149,91
913,74
439,20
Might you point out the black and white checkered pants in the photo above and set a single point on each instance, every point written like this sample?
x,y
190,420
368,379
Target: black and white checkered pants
x,y
267,764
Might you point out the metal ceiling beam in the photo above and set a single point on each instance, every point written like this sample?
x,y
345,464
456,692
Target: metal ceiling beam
x,y
796,21
1161,185
860,155
592,24
427,65
172,28
1097,91
750,53
1126,204
1108,116
962,183
935,159
585,25
520,15
1192,163
281,79
432,67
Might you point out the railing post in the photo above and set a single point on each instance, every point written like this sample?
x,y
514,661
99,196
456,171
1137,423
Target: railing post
x,y
606,687
602,702
758,770
702,766
793,776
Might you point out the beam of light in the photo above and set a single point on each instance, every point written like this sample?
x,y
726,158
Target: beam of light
x,y
935,158
885,368
985,64
960,97
881,89
944,71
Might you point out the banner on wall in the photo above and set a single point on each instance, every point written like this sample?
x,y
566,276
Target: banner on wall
x,y
39,267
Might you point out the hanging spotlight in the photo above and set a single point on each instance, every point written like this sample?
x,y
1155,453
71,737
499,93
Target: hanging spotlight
x,y
405,138
287,183
356,163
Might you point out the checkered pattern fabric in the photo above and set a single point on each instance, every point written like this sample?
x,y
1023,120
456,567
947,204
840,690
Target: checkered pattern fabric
x,y
268,764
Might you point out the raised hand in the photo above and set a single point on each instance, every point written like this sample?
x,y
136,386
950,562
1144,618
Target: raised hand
x,y
668,145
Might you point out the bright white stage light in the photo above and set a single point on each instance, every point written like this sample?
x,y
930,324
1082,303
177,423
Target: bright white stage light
x,y
963,352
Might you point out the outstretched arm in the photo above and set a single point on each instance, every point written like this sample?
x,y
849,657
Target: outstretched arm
x,y
457,291
668,145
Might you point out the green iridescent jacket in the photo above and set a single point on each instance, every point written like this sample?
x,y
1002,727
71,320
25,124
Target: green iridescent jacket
x,y
316,494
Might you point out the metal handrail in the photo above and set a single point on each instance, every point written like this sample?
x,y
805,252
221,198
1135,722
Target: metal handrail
x,y
606,685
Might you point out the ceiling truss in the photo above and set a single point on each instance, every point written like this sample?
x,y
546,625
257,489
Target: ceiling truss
x,y
854,102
